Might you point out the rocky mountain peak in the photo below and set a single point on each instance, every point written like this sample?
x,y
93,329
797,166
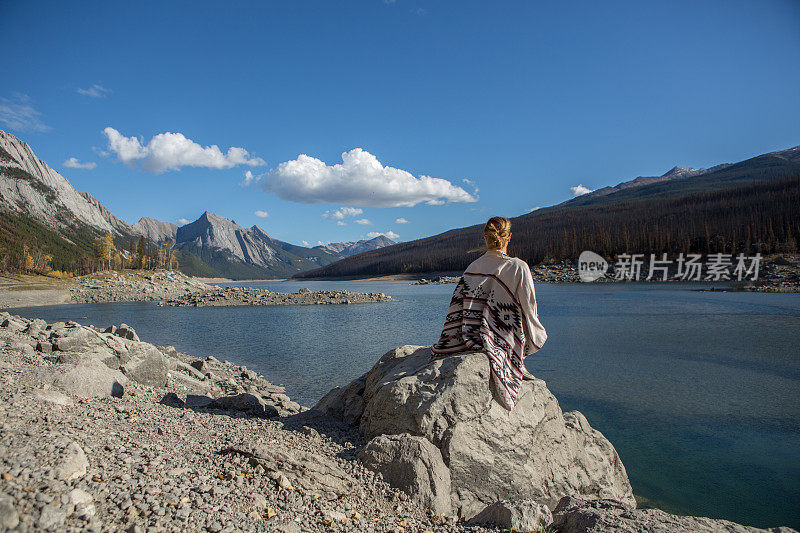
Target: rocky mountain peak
x,y
155,230
31,187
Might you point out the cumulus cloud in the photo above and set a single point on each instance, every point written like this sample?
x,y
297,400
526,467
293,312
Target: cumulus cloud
x,y
388,234
183,221
401,220
171,151
342,213
360,179
18,113
531,210
74,163
261,214
305,243
95,91
579,190
340,223
364,222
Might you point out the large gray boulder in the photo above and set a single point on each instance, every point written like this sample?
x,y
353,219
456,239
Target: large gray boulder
x,y
89,378
533,452
413,465
146,365
522,515
252,404
582,515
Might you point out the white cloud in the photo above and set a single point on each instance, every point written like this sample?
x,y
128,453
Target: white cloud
x,y
364,222
74,163
95,91
534,209
171,151
320,243
250,178
261,214
359,180
305,243
340,223
18,114
401,220
580,190
183,221
342,213
389,235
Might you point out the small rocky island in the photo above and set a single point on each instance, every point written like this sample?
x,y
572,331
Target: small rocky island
x,y
104,432
249,296
176,289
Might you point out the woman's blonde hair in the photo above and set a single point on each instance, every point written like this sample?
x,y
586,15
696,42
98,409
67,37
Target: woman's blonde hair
x,y
497,232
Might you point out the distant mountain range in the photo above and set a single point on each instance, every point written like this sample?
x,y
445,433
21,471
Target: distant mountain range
x,y
40,209
346,249
752,205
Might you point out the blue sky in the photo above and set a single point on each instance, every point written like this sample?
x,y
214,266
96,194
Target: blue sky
x,y
523,99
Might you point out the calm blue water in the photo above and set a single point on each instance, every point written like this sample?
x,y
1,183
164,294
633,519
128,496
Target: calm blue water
x,y
699,392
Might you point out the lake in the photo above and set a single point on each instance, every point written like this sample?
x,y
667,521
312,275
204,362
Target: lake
x,y
698,391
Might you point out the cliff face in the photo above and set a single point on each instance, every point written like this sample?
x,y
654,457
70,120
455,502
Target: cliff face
x,y
31,187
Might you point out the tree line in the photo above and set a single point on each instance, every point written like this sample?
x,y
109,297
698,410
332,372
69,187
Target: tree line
x,y
27,246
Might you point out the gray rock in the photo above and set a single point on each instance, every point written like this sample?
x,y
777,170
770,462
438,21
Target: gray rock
x,y
9,519
51,517
146,365
345,403
72,464
171,399
44,347
310,472
53,396
533,452
200,366
249,403
521,515
413,465
126,332
90,378
198,401
583,515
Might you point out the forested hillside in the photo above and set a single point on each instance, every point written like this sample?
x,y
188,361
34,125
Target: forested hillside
x,y
762,216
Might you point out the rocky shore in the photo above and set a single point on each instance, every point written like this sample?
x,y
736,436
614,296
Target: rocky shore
x,y
248,296
439,280
135,286
780,273
104,432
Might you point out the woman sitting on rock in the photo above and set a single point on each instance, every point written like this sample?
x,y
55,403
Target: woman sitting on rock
x,y
493,310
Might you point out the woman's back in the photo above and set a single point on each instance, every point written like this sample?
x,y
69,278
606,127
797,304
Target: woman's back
x,y
493,309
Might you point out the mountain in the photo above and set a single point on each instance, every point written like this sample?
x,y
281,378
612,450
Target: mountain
x,y
155,230
239,253
752,205
765,167
30,187
42,213
346,249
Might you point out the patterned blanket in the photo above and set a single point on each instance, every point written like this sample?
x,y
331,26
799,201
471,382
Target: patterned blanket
x,y
485,315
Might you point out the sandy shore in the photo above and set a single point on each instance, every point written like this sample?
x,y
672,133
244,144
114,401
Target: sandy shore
x,y
34,291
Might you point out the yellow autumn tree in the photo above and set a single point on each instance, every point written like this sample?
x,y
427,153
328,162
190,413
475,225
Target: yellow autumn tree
x,y
28,262
104,250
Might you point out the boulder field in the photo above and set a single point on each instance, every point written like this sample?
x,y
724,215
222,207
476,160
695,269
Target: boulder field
x,y
101,431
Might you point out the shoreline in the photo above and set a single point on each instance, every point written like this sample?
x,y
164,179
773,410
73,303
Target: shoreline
x,y
180,446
